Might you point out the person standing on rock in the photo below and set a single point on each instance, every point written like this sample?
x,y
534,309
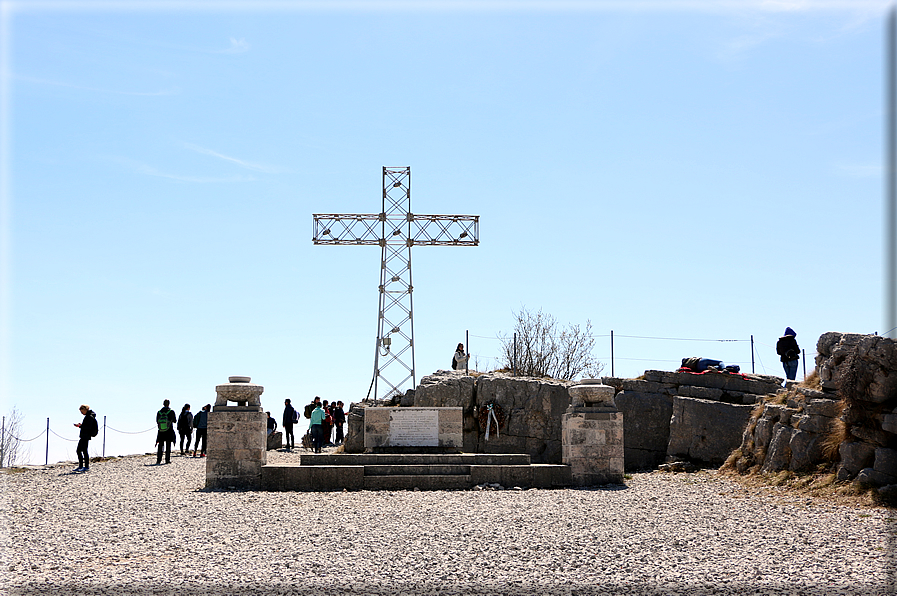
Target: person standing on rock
x,y
316,426
289,419
185,427
459,360
789,351
89,429
201,424
165,422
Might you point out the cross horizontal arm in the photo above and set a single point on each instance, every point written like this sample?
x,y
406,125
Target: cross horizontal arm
x,y
372,229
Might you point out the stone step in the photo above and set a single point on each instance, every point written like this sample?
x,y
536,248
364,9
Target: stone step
x,y
412,470
418,481
323,478
429,459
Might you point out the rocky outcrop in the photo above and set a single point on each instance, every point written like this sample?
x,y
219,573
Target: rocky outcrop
x,y
850,425
699,417
704,430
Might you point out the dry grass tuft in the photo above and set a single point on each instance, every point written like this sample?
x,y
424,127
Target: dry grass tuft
x,y
837,434
812,381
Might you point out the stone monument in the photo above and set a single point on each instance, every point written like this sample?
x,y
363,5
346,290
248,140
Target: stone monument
x,y
237,436
592,435
403,429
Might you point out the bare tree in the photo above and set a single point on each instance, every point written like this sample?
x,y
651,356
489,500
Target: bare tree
x,y
11,446
539,349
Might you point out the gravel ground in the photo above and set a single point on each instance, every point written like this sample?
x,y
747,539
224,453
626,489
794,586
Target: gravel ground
x,y
130,527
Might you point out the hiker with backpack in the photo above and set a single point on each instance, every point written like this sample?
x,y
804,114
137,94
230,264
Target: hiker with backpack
x,y
89,429
290,417
165,421
201,424
185,427
789,351
459,360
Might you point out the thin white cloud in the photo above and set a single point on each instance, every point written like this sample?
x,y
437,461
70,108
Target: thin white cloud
x,y
174,91
237,46
151,171
245,164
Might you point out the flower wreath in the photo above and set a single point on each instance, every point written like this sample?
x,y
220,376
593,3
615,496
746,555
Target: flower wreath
x,y
491,418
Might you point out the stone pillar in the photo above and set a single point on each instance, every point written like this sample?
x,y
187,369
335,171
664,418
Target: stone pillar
x,y
592,435
237,436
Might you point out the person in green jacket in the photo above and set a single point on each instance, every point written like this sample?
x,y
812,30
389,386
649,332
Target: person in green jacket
x,y
317,427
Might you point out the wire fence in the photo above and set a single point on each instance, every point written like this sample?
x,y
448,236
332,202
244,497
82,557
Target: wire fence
x,y
48,431
751,358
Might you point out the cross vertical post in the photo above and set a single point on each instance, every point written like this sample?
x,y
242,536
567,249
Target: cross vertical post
x,y
395,230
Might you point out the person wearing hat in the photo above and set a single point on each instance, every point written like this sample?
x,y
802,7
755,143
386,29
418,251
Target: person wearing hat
x,y
789,352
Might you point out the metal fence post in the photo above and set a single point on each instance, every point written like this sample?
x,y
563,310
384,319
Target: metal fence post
x,y
47,452
612,352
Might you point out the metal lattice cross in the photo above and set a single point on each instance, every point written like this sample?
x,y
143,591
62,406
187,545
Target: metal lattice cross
x,y
395,229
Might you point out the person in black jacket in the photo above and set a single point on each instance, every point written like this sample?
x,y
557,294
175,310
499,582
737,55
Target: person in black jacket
x,y
201,424
289,419
789,351
89,429
339,419
165,421
185,427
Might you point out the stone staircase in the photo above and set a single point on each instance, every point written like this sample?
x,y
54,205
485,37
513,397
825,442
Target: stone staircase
x,y
409,471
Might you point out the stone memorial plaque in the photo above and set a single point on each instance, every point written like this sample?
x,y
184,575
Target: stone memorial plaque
x,y
414,428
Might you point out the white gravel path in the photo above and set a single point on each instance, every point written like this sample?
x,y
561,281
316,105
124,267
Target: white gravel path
x,y
130,527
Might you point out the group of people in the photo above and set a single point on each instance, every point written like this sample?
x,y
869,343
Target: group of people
x,y
166,422
326,422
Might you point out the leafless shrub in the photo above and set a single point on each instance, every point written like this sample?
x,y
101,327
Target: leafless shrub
x,y
538,348
12,449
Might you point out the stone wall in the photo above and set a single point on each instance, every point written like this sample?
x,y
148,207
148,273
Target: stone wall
x,y
848,426
699,417
532,410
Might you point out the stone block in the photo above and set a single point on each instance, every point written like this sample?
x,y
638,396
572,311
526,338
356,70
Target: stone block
x,y
275,440
806,450
889,423
855,456
706,430
778,456
700,392
639,386
873,477
823,407
885,461
813,424
646,427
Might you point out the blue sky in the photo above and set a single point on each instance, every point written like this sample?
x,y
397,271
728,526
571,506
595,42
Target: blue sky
x,y
691,170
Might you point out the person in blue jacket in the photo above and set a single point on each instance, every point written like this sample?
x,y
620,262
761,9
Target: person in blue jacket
x,y
316,426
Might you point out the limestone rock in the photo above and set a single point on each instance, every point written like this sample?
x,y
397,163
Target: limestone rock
x,y
778,456
874,478
646,427
706,430
886,461
806,450
445,389
854,457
